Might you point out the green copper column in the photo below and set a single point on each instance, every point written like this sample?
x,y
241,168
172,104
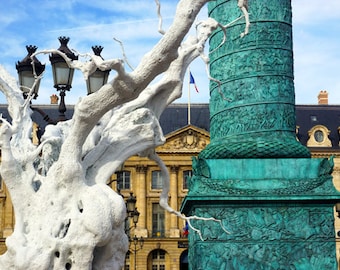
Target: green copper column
x,y
252,111
255,177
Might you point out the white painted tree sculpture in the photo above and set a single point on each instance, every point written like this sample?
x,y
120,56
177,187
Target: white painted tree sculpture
x,y
66,217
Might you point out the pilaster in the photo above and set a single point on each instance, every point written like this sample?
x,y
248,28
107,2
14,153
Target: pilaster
x,y
141,230
8,218
174,231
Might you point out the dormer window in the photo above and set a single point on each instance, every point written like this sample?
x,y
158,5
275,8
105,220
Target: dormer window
x,y
313,118
318,137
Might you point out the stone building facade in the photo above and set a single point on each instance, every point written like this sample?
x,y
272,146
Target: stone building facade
x,y
164,235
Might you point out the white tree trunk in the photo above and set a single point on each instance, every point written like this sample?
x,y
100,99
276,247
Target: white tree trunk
x,y
66,217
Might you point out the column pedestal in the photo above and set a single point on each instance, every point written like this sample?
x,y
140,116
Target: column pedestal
x,y
279,213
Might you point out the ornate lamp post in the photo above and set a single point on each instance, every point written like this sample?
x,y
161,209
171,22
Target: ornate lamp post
x,y
62,75
131,204
98,78
132,212
137,241
25,72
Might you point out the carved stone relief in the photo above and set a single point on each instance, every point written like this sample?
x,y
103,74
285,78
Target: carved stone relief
x,y
247,119
261,238
188,140
252,97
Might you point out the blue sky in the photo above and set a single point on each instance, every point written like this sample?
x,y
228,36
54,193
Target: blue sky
x,y
316,26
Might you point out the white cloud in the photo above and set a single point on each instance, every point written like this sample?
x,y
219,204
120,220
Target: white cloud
x,y
311,12
316,27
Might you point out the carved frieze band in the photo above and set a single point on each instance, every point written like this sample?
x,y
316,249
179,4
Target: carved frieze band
x,y
260,117
259,11
248,63
252,90
322,184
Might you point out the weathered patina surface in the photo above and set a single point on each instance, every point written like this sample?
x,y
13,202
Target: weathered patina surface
x,y
252,103
276,202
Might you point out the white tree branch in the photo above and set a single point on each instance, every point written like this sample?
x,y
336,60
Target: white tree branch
x,y
123,52
243,5
65,214
160,19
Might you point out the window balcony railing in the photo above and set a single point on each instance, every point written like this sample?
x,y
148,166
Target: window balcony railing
x,y
158,234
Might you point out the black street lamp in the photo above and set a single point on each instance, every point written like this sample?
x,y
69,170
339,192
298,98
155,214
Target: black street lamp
x,y
98,78
26,74
137,241
135,217
131,204
132,212
62,73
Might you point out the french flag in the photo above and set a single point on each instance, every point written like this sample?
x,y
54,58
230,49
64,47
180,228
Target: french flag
x,y
192,81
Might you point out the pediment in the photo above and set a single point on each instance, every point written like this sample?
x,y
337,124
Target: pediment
x,y
184,140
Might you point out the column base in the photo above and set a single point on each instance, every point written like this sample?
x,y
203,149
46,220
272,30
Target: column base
x,y
279,214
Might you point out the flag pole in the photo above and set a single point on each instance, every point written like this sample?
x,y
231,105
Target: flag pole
x,y
189,116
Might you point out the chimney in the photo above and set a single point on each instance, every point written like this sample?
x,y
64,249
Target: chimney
x,y
323,98
54,99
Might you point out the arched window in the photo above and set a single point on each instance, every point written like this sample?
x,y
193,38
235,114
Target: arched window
x,y
184,262
157,260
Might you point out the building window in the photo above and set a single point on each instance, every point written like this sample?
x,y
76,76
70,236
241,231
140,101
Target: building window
x,y
158,218
318,137
158,259
157,181
123,180
313,118
186,176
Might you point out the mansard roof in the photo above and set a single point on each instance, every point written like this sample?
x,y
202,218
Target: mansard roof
x,y
176,117
308,116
